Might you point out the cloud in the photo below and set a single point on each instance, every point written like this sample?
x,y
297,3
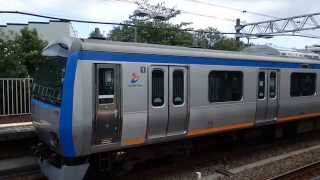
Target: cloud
x,y
116,11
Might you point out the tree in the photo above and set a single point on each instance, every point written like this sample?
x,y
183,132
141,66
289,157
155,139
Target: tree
x,y
206,38
229,44
153,29
20,54
10,63
96,34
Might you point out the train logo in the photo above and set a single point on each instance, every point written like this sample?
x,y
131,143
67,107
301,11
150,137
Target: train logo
x,y
135,80
135,77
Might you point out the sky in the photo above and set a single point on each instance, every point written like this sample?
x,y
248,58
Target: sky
x,y
201,15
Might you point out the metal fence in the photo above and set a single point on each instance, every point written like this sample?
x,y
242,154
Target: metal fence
x,y
15,96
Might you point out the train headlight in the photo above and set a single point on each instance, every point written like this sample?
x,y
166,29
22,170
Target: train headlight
x,y
54,141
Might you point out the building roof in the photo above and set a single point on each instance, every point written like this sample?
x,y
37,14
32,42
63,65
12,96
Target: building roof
x,y
283,52
17,24
37,22
261,50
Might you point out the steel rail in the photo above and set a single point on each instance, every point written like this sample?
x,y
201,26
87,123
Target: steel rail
x,y
297,170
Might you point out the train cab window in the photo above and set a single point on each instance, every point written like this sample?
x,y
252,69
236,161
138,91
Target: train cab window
x,y
303,84
157,87
225,86
178,87
261,85
106,85
273,85
48,80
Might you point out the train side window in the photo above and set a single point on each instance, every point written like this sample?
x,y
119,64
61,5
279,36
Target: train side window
x,y
106,85
261,85
178,87
303,84
225,86
273,85
157,87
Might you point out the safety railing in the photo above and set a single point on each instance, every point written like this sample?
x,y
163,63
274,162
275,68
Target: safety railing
x,y
15,96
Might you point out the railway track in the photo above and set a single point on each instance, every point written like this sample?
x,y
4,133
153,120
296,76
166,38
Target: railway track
x,y
229,156
22,167
29,173
17,161
205,160
308,171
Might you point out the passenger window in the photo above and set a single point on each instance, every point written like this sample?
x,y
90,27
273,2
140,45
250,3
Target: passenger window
x,y
225,86
303,84
261,85
273,85
106,85
157,87
178,87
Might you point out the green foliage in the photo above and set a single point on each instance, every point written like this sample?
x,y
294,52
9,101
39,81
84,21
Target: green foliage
x,y
211,38
152,32
228,44
206,38
151,29
10,63
19,54
96,34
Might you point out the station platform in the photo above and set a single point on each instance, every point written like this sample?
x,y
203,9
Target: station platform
x,y
15,119
16,131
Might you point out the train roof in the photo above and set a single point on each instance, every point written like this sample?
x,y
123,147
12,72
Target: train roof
x,y
67,46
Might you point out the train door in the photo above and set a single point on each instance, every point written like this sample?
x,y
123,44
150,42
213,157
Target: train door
x,y
167,101
178,96
267,96
107,122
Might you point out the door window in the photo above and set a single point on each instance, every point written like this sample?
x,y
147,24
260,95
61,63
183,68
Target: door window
x,y
157,87
178,87
106,85
273,85
261,85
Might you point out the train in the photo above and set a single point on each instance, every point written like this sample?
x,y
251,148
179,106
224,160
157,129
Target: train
x,y
96,96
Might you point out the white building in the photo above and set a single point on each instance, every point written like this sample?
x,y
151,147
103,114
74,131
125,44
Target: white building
x,y
277,51
47,31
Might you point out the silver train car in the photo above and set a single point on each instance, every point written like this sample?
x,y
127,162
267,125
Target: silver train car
x,y
94,96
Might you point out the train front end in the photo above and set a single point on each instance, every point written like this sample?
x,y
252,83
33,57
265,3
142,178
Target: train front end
x,y
47,99
52,113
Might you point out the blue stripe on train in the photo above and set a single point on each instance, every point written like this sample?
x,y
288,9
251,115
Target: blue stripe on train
x,y
124,57
67,99
65,131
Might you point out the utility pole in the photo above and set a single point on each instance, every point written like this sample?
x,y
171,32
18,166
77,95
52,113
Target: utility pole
x,y
136,31
139,13
238,29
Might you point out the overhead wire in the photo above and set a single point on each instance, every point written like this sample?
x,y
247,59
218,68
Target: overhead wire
x,y
103,22
232,8
133,25
243,11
